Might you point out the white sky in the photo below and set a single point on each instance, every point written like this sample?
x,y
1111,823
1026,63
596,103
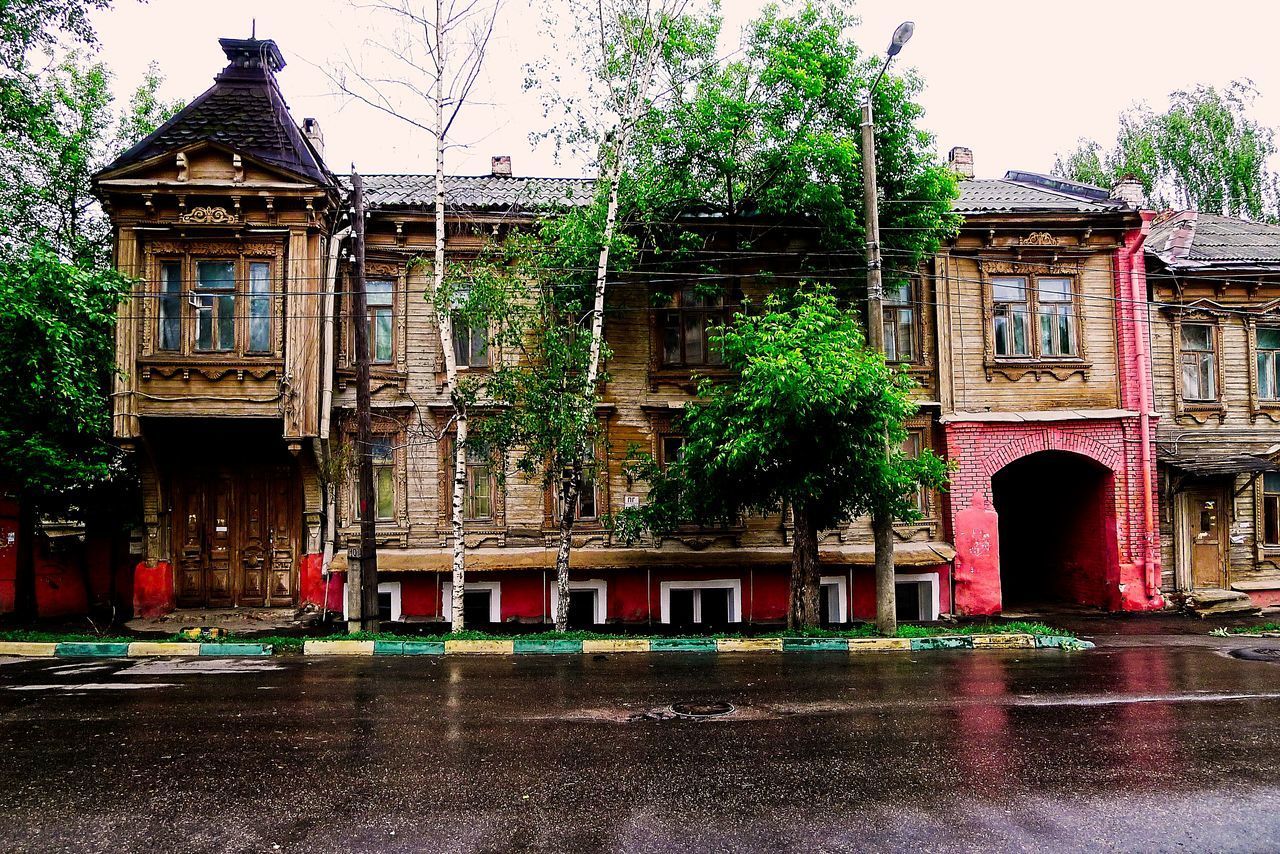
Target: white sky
x,y
1015,80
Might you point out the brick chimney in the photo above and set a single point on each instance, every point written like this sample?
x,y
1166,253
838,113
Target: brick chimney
x,y
1129,189
500,166
961,161
311,130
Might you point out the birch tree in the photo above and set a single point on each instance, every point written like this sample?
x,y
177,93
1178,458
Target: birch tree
x,y
434,59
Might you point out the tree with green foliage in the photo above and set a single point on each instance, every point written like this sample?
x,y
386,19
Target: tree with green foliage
x,y
1205,152
802,427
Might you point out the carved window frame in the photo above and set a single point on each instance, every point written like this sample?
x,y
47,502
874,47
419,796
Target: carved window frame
x,y
187,253
551,498
498,521
1016,367
1266,318
931,521
398,274
393,431
683,375
1198,410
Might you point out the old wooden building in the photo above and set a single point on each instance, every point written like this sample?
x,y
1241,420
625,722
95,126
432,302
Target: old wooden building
x,y
236,392
1215,317
223,215
1044,396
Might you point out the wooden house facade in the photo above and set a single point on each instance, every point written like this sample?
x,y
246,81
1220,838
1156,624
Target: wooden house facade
x,y
1215,318
236,391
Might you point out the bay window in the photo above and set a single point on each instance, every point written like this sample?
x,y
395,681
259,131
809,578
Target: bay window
x,y
215,305
220,305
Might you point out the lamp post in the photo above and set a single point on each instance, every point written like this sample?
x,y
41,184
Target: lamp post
x,y
881,521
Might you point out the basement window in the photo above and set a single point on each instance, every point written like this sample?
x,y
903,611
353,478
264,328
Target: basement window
x,y
917,597
701,603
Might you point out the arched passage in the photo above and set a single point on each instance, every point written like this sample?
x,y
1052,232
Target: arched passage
x,y
1057,530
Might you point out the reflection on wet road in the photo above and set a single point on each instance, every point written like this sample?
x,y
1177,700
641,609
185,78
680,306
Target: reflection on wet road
x,y
1144,746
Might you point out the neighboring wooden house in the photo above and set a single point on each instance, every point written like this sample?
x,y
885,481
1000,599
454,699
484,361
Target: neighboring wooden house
x,y
1215,292
223,214
1041,382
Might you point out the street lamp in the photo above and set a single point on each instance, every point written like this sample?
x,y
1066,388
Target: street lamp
x,y
881,522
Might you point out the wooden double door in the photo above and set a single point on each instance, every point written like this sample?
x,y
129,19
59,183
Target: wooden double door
x,y
236,536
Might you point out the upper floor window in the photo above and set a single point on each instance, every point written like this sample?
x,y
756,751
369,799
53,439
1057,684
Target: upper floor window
x,y
380,299
215,305
470,344
1016,300
912,448
670,448
685,324
1268,356
588,495
477,498
1197,358
384,479
899,323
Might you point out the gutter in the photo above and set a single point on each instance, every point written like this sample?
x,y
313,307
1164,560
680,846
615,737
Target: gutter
x,y
326,406
1134,265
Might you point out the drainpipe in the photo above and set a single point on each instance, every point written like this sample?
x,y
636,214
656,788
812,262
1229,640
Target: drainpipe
x,y
326,405
1137,272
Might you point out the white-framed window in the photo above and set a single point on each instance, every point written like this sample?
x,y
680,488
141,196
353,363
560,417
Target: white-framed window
x,y
596,589
482,601
917,596
835,599
698,602
388,601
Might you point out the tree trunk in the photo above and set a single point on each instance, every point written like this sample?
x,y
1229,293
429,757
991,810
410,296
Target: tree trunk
x,y
805,572
456,620
24,585
568,515
886,598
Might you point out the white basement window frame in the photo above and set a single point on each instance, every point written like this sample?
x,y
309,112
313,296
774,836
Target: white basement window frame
x,y
598,585
838,599
392,587
495,597
927,585
733,585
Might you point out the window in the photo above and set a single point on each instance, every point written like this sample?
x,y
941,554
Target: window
x,y
380,299
588,603
477,500
215,304
705,603
1268,351
384,479
911,448
685,324
670,449
1199,380
833,600
170,305
587,493
899,323
470,344
1057,317
1010,311
481,601
916,597
1051,300
259,307
1271,509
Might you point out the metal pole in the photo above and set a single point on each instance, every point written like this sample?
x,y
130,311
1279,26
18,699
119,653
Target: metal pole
x,y
362,587
881,523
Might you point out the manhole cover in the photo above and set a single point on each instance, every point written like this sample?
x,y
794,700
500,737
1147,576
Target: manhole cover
x,y
702,710
1258,653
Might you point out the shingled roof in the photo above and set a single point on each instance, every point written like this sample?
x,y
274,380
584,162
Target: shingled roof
x,y
1030,192
243,110
474,192
1190,240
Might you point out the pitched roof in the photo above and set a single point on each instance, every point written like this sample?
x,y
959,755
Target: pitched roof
x,y
1030,192
473,192
1192,239
243,110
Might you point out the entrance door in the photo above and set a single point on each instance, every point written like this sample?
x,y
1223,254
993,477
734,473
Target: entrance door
x,y
1205,527
235,537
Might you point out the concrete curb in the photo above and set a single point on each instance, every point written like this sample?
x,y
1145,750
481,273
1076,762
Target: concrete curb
x,y
136,649
519,646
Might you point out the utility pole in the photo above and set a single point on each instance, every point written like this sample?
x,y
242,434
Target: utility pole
x,y
362,562
881,521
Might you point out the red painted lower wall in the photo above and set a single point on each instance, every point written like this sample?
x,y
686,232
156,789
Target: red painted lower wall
x,y
153,593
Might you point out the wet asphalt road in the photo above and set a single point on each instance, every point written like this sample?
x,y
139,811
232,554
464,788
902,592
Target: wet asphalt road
x,y
1142,744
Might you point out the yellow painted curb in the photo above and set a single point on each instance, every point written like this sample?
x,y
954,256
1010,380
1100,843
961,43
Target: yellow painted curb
x,y
27,648
878,644
628,645
748,644
1004,641
140,648
339,647
479,647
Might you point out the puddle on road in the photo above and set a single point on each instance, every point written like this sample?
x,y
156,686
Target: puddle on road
x,y
198,666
